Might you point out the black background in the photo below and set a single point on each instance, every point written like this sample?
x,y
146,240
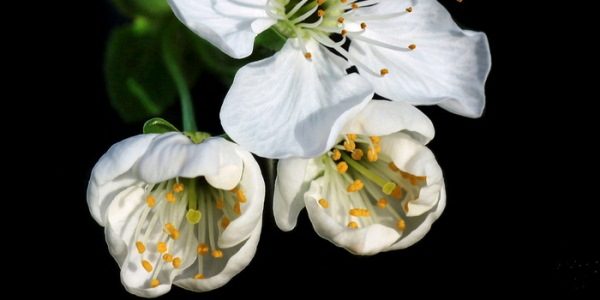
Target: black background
x,y
518,216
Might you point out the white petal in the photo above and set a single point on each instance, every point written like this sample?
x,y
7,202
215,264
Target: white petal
x,y
449,66
411,156
422,224
294,176
382,117
253,186
286,105
234,265
110,174
175,155
363,241
227,24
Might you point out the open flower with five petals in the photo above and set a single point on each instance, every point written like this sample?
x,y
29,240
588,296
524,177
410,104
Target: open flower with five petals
x,y
377,188
404,50
177,212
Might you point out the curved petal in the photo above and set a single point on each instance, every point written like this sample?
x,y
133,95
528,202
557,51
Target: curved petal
x,y
253,185
242,257
109,175
368,240
175,155
286,105
294,176
227,24
381,117
449,66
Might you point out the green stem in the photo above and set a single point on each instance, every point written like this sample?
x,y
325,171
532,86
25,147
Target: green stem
x,y
187,107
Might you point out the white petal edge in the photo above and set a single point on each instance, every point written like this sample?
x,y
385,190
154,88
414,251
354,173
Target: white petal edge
x,y
381,117
227,24
116,162
281,106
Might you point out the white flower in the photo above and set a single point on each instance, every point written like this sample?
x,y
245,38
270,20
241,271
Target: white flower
x,y
378,189
404,50
177,212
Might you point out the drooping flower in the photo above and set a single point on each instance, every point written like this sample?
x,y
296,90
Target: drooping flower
x,y
177,212
404,50
378,188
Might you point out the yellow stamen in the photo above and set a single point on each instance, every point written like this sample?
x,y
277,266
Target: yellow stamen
x,y
357,154
140,247
355,186
217,253
176,262
398,193
237,208
349,145
147,266
382,203
178,187
355,6
241,196
336,155
161,247
154,283
344,1
412,46
341,20
375,139
405,207
344,32
409,9
378,148
384,72
393,167
168,257
401,225
363,25
324,203
359,212
319,2
352,225
150,201
308,55
199,276
352,136
202,249
172,231
170,197
220,203
372,155
320,13
225,222
342,167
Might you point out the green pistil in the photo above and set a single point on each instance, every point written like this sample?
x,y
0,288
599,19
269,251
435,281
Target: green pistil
x,y
387,187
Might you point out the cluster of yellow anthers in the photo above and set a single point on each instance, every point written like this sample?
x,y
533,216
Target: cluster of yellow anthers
x,y
171,202
375,177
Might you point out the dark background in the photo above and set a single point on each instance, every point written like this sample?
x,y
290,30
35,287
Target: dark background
x,y
518,218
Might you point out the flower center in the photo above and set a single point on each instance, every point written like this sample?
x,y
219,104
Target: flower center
x,y
377,190
177,212
331,23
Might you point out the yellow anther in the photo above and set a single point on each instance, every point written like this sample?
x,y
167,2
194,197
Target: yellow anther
x,y
150,201
220,203
405,207
241,197
352,136
154,282
217,254
336,154
341,20
172,231
357,154
235,189
393,167
375,139
384,72
344,32
202,249
412,46
199,276
178,187
168,257
414,180
355,186
359,212
161,247
141,248
170,197
401,225
372,154
355,6
378,148
319,2
342,167
320,13
147,266
237,208
349,145
225,222
324,203
409,9
363,25
308,55
382,203
398,193
352,225
176,262
343,1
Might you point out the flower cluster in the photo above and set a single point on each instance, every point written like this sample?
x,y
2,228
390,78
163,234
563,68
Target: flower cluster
x,y
185,211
